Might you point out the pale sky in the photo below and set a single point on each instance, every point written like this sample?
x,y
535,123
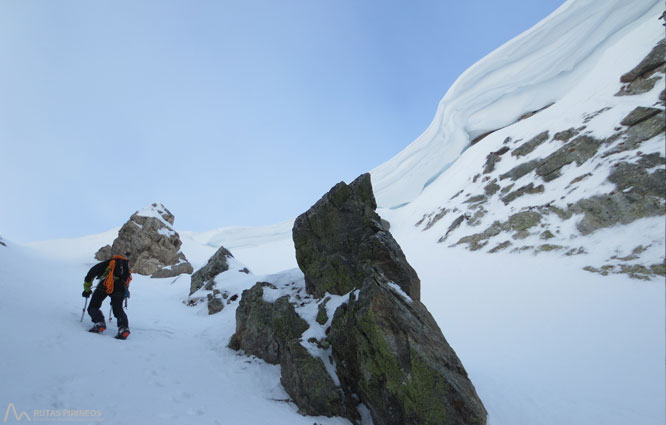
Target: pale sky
x,y
228,112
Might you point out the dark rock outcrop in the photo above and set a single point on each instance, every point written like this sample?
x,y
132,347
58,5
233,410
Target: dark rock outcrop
x,y
306,380
382,349
639,114
272,331
528,189
530,145
391,353
579,150
566,135
638,194
646,129
519,223
215,302
491,188
341,239
641,78
479,240
653,60
151,243
263,329
205,276
493,158
521,170
453,226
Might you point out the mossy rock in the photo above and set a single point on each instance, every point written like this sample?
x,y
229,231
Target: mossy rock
x,y
341,240
524,220
578,150
500,247
491,188
549,247
308,383
530,145
392,355
547,235
521,170
322,316
262,328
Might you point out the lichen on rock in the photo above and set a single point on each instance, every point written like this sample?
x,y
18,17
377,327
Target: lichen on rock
x,y
341,239
394,356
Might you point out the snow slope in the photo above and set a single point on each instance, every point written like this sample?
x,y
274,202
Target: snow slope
x,y
249,245
527,73
174,369
591,105
544,342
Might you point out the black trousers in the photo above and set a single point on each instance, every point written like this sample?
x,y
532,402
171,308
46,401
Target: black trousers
x,y
98,296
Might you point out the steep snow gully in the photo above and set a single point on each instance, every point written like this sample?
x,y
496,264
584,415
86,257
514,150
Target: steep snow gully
x,y
544,341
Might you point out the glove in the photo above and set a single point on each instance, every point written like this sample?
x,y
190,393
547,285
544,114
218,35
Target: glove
x,y
86,289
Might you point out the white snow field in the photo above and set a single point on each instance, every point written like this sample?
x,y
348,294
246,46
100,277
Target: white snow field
x,y
544,342
174,368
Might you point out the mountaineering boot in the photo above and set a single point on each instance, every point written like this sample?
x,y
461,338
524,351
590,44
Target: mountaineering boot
x,y
98,328
123,333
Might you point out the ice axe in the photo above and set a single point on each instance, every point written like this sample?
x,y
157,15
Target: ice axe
x,y
84,309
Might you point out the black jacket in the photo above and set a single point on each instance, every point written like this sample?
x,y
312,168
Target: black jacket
x,y
121,274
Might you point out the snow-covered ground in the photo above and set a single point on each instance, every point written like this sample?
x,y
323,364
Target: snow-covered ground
x,y
174,369
544,342
275,253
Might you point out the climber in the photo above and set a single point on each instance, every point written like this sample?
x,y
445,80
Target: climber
x,y
114,279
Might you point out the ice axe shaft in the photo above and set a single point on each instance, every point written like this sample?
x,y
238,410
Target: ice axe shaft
x,y
84,309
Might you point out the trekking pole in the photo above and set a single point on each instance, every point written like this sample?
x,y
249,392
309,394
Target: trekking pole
x,y
84,309
125,303
110,317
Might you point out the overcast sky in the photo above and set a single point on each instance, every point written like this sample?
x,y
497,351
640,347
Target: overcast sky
x,y
229,112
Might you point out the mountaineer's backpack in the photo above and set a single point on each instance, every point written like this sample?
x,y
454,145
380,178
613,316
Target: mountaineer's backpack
x,y
117,270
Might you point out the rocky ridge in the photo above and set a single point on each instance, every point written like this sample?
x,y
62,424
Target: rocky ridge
x,y
151,243
361,346
527,192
